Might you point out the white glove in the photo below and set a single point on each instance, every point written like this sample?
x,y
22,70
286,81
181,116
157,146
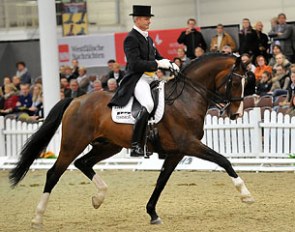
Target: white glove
x,y
175,67
164,63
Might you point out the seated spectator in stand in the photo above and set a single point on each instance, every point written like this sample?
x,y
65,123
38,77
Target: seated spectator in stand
x,y
62,72
112,85
116,73
68,73
16,82
246,59
37,106
261,67
64,83
280,81
25,99
178,62
11,98
160,73
22,72
263,46
264,85
92,79
104,78
6,81
199,52
2,99
221,39
226,50
74,90
97,86
181,54
83,79
290,91
281,60
292,68
250,82
291,110
75,68
276,49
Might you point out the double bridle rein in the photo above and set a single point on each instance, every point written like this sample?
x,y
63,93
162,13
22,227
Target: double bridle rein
x,y
221,101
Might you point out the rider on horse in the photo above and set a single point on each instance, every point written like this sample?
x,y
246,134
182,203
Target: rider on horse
x,y
143,60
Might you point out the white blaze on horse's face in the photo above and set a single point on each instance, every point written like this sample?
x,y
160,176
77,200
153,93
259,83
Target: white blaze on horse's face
x,y
241,107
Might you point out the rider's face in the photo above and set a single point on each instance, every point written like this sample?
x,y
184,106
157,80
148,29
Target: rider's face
x,y
143,23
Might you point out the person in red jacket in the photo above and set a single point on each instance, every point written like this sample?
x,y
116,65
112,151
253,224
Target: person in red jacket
x,y
11,98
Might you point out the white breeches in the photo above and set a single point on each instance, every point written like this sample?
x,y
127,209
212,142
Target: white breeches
x,y
142,92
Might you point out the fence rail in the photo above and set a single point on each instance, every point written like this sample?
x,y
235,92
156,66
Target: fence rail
x,y
248,141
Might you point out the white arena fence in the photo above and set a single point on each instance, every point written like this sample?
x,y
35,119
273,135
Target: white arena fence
x,y
251,144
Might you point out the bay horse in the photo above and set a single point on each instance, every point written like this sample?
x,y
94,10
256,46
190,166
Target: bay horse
x,y
87,120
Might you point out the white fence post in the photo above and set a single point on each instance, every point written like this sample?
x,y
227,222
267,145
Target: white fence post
x,y
2,138
256,133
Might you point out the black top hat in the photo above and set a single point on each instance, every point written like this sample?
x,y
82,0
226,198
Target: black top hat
x,y
141,11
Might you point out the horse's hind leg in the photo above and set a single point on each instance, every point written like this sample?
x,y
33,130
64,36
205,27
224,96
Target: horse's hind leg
x,y
65,158
85,164
207,153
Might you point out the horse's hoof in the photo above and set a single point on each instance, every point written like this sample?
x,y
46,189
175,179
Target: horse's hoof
x,y
248,199
96,202
157,221
36,225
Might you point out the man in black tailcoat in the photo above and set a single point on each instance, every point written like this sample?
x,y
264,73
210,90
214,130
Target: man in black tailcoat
x,y
143,60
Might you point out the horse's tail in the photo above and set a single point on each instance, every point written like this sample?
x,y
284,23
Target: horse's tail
x,y
37,143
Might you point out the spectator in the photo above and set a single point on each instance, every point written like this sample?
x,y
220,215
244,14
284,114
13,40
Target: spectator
x,y
97,86
110,64
116,73
226,49
62,71
246,59
37,102
112,85
264,85
276,49
192,38
273,24
92,79
199,52
64,83
11,99
160,73
68,73
262,40
221,39
75,68
291,110
16,82
104,78
83,79
74,90
282,35
181,54
22,72
290,91
261,67
6,81
281,81
2,99
25,98
281,60
178,62
250,82
248,39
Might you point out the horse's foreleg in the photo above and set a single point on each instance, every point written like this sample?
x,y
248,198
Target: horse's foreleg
x,y
207,153
85,164
168,167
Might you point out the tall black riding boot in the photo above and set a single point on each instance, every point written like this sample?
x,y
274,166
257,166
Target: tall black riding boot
x,y
138,132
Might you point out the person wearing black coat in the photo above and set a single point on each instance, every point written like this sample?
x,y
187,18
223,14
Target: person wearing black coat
x,y
262,40
248,39
143,60
192,38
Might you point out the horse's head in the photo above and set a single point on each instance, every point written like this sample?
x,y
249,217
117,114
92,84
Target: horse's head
x,y
230,89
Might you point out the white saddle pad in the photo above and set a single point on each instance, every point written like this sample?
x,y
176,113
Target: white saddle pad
x,y
123,114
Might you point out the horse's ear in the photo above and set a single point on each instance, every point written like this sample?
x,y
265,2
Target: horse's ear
x,y
239,63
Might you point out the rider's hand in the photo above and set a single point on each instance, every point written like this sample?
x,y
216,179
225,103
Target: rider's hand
x,y
164,63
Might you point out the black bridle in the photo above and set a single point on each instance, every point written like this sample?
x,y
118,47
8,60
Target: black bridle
x,y
221,101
